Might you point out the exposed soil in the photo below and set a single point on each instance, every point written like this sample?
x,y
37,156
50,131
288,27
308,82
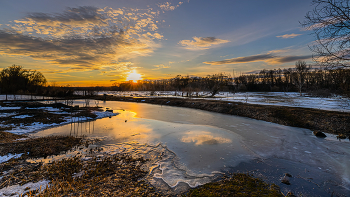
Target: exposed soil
x,y
316,120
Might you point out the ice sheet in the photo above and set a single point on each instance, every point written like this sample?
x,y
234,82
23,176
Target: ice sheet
x,y
194,145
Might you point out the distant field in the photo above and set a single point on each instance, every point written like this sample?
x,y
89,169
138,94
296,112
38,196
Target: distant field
x,y
288,99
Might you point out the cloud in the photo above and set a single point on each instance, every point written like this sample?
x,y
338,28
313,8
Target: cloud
x,y
324,22
160,66
168,7
253,58
82,38
285,59
288,36
201,43
118,69
268,58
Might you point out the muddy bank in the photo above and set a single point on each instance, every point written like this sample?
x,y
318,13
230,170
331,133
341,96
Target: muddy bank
x,y
97,174
313,119
116,175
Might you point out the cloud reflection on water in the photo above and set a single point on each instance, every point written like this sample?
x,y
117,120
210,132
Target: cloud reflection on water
x,y
203,138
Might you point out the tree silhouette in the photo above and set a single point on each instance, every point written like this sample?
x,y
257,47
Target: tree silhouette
x,y
301,69
15,79
330,22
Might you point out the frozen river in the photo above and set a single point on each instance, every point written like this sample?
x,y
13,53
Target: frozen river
x,y
188,147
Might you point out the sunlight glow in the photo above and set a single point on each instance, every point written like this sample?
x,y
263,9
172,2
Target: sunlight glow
x,y
134,76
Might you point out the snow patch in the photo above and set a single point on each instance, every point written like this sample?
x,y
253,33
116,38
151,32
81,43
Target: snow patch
x,y
18,190
5,158
36,126
22,116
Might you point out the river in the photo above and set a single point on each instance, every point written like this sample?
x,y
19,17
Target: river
x,y
189,147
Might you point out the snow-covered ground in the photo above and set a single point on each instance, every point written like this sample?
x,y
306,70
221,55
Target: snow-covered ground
x,y
18,190
39,126
8,157
12,97
290,99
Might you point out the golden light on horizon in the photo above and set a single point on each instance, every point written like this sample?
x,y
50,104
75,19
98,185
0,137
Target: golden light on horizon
x,y
134,76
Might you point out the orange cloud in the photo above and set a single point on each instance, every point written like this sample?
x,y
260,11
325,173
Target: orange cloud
x,y
168,7
200,43
160,66
83,38
288,36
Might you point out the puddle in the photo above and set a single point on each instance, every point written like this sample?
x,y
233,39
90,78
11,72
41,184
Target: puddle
x,y
194,147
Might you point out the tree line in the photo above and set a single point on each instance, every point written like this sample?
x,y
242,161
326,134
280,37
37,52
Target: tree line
x,y
302,78
211,83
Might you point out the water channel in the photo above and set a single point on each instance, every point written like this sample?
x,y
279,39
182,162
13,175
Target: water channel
x,y
189,147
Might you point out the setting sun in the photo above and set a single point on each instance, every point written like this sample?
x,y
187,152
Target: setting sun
x,y
134,76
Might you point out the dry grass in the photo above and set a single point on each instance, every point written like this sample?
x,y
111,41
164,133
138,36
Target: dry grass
x,y
6,137
118,175
237,185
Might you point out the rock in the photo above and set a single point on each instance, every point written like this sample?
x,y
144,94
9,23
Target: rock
x,y
290,194
319,134
285,181
288,175
341,136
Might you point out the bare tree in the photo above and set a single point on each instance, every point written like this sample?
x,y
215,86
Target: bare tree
x,y
216,82
330,22
301,70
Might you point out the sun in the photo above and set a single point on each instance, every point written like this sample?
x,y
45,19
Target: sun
x,y
134,76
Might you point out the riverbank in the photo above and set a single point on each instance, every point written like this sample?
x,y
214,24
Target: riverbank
x,y
22,117
95,174
316,120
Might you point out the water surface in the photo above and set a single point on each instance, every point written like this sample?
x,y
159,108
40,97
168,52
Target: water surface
x,y
193,147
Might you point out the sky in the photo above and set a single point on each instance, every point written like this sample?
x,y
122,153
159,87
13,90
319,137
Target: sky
x,y
98,43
